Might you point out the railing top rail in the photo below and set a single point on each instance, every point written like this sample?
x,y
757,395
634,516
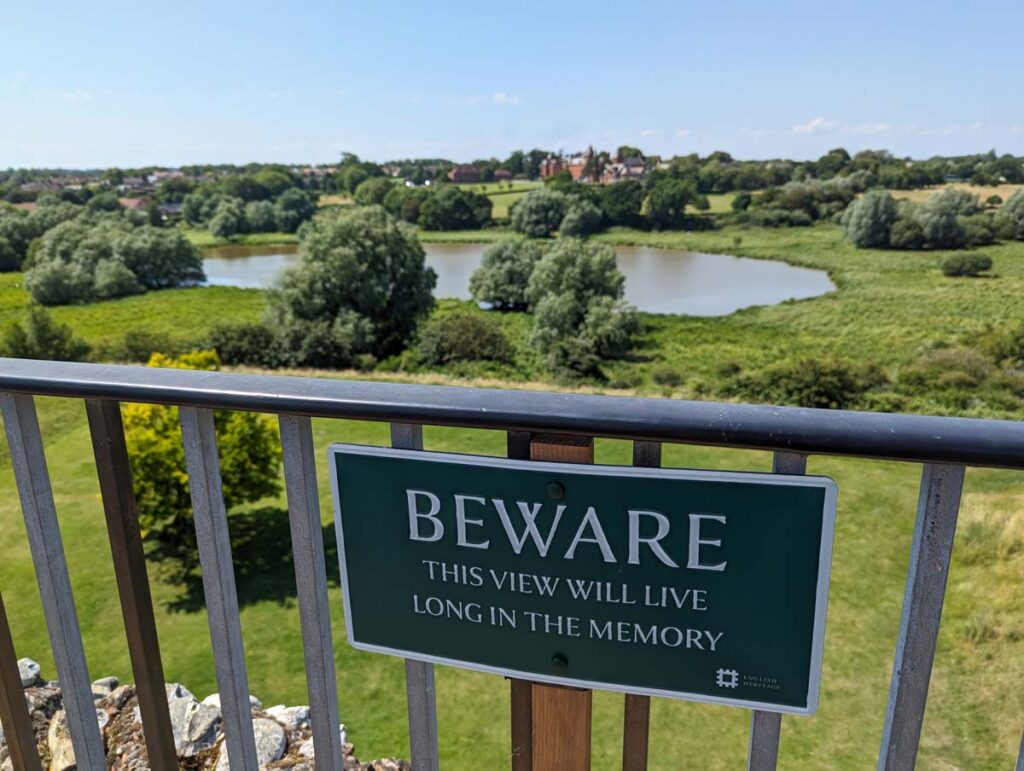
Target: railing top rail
x,y
919,438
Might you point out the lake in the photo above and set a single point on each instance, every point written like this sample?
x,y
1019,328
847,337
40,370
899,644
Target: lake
x,y
657,280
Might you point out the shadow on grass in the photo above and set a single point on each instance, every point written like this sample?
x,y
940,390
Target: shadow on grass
x,y
261,549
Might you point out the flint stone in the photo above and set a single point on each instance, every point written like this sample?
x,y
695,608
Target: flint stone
x,y
271,743
213,700
177,691
306,748
29,671
104,686
194,726
290,717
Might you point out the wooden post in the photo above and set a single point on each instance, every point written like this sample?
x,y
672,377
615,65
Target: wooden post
x,y
551,724
14,717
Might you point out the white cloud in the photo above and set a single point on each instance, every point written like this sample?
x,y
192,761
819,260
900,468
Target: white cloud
x,y
504,99
78,96
649,133
815,126
683,133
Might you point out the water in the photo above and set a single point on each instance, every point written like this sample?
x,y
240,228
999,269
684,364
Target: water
x,y
657,280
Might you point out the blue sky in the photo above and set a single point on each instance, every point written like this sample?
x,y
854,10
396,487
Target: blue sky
x,y
117,83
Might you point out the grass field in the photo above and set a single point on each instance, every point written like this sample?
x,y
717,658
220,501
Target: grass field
x,y
889,307
202,238
982,191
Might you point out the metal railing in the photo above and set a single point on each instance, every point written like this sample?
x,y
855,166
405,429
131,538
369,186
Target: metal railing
x,y
945,445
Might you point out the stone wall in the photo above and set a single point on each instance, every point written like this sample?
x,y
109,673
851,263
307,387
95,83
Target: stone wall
x,y
283,734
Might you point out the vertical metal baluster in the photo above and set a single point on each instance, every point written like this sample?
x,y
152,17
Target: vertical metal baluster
x,y
937,508
29,460
311,584
636,718
521,691
1020,755
14,716
419,675
119,507
204,481
766,727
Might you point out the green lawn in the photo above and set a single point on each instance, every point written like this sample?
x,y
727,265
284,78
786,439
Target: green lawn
x,y
202,238
973,716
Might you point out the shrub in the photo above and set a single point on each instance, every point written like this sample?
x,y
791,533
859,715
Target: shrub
x,y
579,317
59,283
250,460
504,274
967,264
254,345
540,213
451,208
1011,216
867,221
113,279
582,219
621,202
259,217
666,375
228,220
994,200
361,286
829,383
292,208
906,233
979,229
373,191
42,338
947,367
1006,346
462,337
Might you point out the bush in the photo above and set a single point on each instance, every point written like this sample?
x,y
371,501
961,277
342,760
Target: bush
x,y
1011,216
292,208
867,221
373,191
42,338
112,279
1006,347
829,383
361,286
250,460
622,201
582,219
259,217
979,229
666,375
540,213
253,345
462,337
451,208
228,220
967,264
59,283
579,316
906,233
504,274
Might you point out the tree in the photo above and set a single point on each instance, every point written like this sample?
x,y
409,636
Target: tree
x,y
868,220
582,219
361,286
462,337
938,217
228,219
451,208
373,191
104,202
504,274
575,291
250,460
159,258
42,338
259,217
666,204
621,202
292,209
540,213
1011,217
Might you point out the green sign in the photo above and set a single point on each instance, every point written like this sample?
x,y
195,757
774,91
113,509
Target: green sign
x,y
702,585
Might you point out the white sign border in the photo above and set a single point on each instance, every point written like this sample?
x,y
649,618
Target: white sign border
x,y
563,469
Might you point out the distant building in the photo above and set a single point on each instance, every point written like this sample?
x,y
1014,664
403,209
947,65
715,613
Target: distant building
x,y
502,175
550,166
464,174
628,168
132,203
26,206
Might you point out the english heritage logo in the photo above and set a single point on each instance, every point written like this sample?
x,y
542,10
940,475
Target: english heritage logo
x,y
727,678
